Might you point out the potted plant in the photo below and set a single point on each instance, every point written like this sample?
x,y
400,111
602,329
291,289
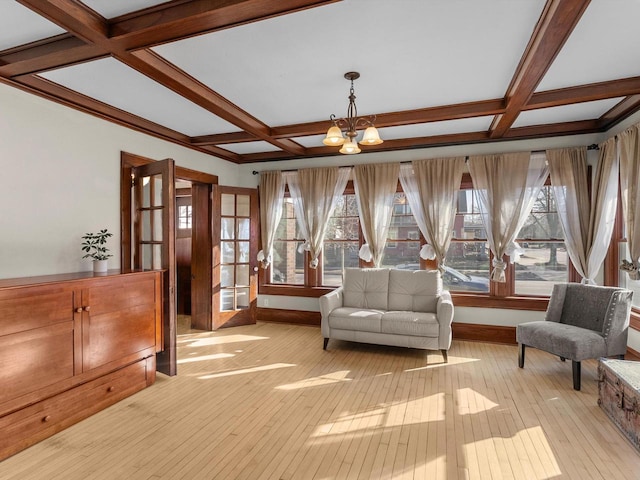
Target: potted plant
x,y
94,244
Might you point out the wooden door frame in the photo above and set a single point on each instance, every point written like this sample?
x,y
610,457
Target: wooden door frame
x,y
129,161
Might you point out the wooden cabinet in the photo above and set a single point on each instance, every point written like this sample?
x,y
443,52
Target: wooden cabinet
x,y
71,345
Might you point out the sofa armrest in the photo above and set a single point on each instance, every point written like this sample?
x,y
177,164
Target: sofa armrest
x,y
444,312
328,303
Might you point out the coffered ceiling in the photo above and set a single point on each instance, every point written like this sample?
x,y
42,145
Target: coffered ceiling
x,y
256,80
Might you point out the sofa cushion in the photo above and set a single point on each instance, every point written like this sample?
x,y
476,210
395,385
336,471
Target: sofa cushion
x,y
366,288
415,291
421,324
349,318
567,341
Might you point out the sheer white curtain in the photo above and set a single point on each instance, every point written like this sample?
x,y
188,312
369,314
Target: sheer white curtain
x,y
271,196
315,192
587,223
431,187
629,146
375,187
506,186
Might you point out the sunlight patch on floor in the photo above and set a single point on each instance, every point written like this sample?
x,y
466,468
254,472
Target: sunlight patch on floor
x,y
262,368
452,361
327,379
204,358
471,402
204,342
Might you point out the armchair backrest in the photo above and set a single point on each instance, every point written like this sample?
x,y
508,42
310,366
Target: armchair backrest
x,y
602,309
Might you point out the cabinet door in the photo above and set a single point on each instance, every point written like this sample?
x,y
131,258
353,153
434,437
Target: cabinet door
x,y
119,324
36,339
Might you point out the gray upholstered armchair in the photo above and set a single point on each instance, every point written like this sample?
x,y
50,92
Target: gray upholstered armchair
x,y
582,321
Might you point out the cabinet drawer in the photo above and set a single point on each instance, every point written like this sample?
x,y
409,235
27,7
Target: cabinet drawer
x,y
43,419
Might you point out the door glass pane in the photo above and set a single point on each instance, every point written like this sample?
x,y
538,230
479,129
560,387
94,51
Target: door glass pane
x,y
145,231
146,192
157,257
157,190
242,298
227,205
228,228
243,252
146,254
226,276
243,229
242,275
228,252
243,205
226,299
157,225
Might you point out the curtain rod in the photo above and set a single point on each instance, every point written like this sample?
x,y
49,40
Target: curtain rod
x,y
593,146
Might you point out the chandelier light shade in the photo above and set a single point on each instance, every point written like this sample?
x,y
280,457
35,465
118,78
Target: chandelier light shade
x,y
348,126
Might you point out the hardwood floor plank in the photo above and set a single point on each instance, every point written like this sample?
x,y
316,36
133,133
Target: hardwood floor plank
x,y
266,402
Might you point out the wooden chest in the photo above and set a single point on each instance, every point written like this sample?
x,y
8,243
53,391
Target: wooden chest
x,y
619,395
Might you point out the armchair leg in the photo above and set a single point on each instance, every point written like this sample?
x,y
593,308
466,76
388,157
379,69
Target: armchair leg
x,y
575,366
621,356
521,355
326,342
562,359
444,355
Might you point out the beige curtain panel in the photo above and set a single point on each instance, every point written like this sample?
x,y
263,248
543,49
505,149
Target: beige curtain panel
x,y
271,196
629,145
375,187
587,222
431,187
506,186
315,192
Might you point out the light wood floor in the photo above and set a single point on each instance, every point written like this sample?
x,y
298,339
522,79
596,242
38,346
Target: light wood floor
x,y
266,402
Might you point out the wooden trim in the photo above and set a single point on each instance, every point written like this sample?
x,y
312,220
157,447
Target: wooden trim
x,y
620,111
484,333
294,290
634,320
536,304
632,355
297,317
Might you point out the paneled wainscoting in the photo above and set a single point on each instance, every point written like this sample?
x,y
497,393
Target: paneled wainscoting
x,y
266,402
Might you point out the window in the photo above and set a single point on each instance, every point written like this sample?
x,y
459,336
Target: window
x,y
184,216
402,249
342,241
287,264
545,261
467,264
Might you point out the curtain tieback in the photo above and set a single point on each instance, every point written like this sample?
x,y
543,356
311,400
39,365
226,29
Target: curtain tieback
x,y
497,274
304,246
265,261
427,252
365,253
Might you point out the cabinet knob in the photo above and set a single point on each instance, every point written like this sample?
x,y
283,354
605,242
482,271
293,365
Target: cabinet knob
x,y
111,388
87,308
79,310
46,419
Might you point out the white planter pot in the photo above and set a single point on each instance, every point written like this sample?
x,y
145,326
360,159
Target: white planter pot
x,y
100,266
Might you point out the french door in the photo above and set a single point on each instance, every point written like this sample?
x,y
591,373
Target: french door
x,y
235,263
153,242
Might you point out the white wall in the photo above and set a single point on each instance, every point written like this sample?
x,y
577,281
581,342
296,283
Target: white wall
x,y
60,178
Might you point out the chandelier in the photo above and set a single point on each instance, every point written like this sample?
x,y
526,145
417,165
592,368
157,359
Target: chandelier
x,y
350,125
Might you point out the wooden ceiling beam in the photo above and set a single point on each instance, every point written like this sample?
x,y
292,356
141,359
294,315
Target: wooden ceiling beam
x,y
65,96
554,27
177,20
584,93
167,74
619,112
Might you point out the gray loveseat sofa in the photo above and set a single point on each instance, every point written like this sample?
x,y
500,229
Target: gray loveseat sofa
x,y
401,308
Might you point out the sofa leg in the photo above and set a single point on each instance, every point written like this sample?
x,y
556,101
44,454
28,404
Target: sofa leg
x,y
575,366
326,342
521,355
444,355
